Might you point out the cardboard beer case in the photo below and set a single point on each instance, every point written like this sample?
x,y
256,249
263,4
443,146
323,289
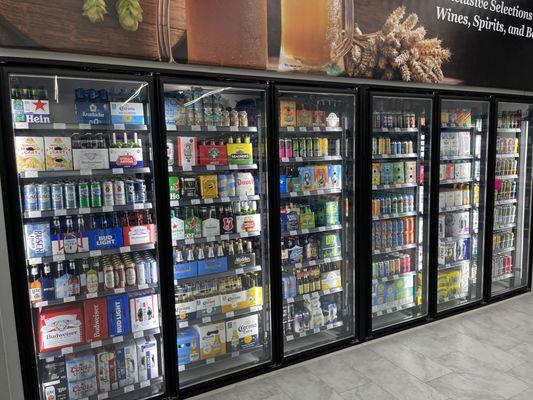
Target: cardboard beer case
x,y
106,366
31,111
109,238
90,158
126,157
186,309
240,153
58,153
138,235
241,300
207,306
127,364
127,113
29,151
59,327
188,342
95,317
212,265
185,270
38,240
144,312
54,380
242,333
245,260
118,315
187,150
212,340
248,223
287,113
213,154
81,375
147,358
94,113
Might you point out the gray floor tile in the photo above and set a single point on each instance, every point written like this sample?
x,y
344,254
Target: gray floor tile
x,y
523,371
459,387
370,391
338,375
300,384
526,395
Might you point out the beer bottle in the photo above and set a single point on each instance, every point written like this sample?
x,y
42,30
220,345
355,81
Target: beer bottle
x,y
61,281
47,283
91,276
73,285
34,284
240,249
131,276
220,250
119,273
109,276
83,276
210,251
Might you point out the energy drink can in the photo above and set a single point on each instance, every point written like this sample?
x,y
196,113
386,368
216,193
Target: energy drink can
x,y
282,148
70,195
119,193
288,148
30,198
140,191
309,146
57,196
316,147
43,197
295,148
83,194
96,194
129,191
303,147
107,189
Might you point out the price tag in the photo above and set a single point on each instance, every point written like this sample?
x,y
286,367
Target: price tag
x,y
316,128
224,237
206,320
321,228
299,265
302,129
35,214
239,271
210,239
305,230
290,129
171,127
59,125
119,290
211,128
210,361
91,295
255,308
138,206
22,125
211,167
84,172
118,339
59,258
128,388
290,300
234,128
187,168
174,203
170,169
143,286
181,368
293,194
117,171
107,208
137,335
293,233
327,260
312,262
306,193
386,186
320,191
84,126
95,253
303,334
119,127
84,210
316,330
41,304
195,128
230,314
208,201
233,166
183,324
67,350
290,338
195,201
30,174
326,291
144,384
96,344
189,241
284,159
225,199
299,159
102,396
69,299
388,249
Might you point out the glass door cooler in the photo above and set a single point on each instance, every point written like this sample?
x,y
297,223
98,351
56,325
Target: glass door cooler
x,y
401,134
462,173
316,156
512,198
215,138
83,155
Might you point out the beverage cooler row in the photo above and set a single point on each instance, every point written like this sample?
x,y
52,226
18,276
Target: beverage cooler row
x,y
240,238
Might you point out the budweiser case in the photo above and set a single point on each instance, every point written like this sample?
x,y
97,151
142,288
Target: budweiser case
x,y
60,327
95,316
141,234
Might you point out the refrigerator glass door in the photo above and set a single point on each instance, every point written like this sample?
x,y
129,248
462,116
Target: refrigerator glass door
x,y
462,174
512,198
83,153
316,144
215,139
401,134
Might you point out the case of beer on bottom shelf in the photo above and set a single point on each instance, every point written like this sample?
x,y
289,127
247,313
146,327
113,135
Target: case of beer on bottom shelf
x,y
147,358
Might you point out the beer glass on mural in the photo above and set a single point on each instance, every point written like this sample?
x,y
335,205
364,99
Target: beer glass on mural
x,y
227,33
309,29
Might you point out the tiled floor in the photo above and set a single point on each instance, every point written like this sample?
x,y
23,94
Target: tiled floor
x,y
486,354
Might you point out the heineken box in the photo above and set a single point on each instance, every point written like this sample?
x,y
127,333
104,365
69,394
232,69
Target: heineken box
x,y
127,113
31,111
175,187
240,153
110,238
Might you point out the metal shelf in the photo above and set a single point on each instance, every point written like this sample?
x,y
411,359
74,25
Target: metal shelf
x,y
394,186
126,389
91,210
502,277
290,160
92,253
457,128
393,156
207,168
394,277
314,331
217,238
396,215
504,250
83,172
452,158
395,130
312,230
315,295
306,129
452,298
88,296
456,264
312,263
393,309
208,361
305,193
393,249
217,316
508,201
504,227
97,344
187,202
58,126
511,155
452,181
210,128
509,130
508,177
457,208
230,272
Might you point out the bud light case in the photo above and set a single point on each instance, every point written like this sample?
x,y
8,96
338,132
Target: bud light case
x,y
118,315
188,343
110,238
38,242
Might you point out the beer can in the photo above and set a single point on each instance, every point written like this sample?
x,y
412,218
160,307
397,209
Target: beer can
x,y
316,147
309,146
43,197
282,148
107,191
140,271
140,191
119,192
83,194
288,148
295,147
303,147
96,194
324,147
57,196
30,197
129,191
70,195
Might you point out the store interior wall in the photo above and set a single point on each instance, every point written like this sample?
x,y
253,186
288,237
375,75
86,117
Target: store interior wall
x,y
10,374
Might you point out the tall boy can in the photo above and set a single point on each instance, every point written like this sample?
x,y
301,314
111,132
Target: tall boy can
x,y
129,191
43,197
70,195
140,191
96,194
107,193
57,196
30,197
83,194
119,193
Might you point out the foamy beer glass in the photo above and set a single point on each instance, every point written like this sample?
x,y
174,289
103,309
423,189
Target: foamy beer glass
x,y
227,33
309,29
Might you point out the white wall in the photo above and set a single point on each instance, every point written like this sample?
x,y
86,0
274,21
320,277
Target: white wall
x,y
11,379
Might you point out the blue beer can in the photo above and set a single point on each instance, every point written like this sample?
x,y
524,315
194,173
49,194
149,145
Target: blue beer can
x,y
57,196
140,191
43,197
30,198
70,195
129,191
